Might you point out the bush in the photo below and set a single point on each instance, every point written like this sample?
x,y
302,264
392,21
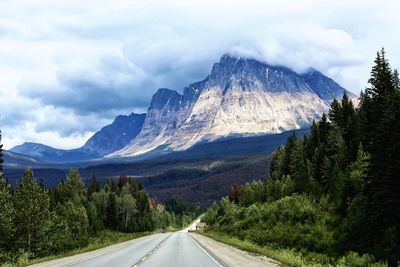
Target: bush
x,y
355,260
294,221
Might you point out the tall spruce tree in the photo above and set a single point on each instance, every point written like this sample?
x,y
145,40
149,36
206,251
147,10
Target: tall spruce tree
x,y
380,110
31,203
7,226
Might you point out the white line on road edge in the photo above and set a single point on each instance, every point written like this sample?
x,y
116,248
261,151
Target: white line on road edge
x,y
205,251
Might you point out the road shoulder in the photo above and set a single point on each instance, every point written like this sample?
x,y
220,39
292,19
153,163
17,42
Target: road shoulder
x,y
229,256
88,255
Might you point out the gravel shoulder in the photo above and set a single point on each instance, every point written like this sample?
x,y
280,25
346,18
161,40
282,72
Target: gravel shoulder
x,y
229,256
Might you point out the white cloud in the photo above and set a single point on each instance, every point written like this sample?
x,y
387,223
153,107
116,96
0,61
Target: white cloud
x,y
87,61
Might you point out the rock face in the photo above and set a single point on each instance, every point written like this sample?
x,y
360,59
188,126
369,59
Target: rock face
x,y
326,88
239,97
115,136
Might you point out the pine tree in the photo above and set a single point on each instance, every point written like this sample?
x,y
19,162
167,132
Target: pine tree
x,y
380,115
299,169
290,145
32,205
335,112
93,187
70,207
7,227
323,126
112,211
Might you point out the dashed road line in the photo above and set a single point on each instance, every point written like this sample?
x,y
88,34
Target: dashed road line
x,y
136,264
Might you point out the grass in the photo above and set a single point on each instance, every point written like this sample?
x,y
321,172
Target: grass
x,y
291,257
284,256
103,239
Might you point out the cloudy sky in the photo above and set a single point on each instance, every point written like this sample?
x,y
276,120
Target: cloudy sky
x,y
68,67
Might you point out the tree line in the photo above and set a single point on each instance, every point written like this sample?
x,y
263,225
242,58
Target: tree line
x,y
37,221
334,190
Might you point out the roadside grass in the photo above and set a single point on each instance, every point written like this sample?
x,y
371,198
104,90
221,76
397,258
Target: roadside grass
x,y
292,257
103,239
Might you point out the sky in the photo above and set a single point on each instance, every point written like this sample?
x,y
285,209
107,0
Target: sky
x,y
69,67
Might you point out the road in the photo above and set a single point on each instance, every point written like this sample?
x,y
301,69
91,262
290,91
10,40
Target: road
x,y
179,249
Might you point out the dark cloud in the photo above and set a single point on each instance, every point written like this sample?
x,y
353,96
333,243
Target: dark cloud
x,y
111,85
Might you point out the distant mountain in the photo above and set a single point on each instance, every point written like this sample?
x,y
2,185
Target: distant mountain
x,y
240,97
14,160
109,139
50,154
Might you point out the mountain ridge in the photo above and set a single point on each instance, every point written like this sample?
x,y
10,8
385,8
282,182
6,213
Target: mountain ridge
x,y
109,138
239,96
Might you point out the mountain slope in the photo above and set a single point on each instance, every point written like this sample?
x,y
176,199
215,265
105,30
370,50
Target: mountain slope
x,y
239,97
326,88
50,154
115,136
109,139
16,160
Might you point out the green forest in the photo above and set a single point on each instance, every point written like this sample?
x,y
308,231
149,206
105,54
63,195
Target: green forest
x,y
36,221
333,196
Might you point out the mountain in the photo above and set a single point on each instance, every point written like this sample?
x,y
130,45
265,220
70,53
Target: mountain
x,y
50,154
15,160
326,88
115,136
240,97
109,139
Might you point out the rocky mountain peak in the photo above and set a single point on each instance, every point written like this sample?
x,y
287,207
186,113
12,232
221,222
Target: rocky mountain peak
x,y
165,97
240,96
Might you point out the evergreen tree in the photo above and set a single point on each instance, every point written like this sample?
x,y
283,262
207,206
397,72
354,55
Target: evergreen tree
x,y
70,207
380,128
93,187
74,216
94,217
323,127
112,211
335,112
299,168
313,141
290,145
7,226
32,205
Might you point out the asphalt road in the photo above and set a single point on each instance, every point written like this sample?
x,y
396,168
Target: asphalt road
x,y
174,250
179,249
